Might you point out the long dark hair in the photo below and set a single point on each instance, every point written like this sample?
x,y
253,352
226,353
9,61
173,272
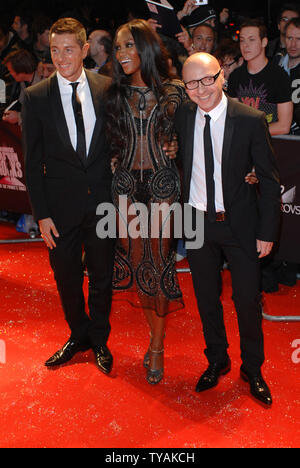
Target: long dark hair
x,y
154,71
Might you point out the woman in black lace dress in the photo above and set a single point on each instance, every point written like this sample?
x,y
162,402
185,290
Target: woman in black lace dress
x,y
141,104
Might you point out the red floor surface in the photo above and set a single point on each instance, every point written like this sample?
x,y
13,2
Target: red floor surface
x,y
77,406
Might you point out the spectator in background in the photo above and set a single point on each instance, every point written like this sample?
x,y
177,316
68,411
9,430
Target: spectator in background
x,y
100,42
230,58
41,27
277,47
255,83
199,15
46,67
9,41
22,27
22,66
204,39
286,272
262,84
291,63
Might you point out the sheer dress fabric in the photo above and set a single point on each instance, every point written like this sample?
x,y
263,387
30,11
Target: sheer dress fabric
x,y
145,267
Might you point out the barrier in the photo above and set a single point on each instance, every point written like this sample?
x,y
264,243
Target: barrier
x,y
13,193
287,149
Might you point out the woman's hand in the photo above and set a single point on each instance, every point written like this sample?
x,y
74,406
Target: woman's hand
x,y
251,178
113,164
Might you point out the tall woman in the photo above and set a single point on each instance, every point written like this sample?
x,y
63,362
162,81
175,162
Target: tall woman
x,y
142,101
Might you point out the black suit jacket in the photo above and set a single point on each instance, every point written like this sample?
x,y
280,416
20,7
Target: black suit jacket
x,y
60,185
247,143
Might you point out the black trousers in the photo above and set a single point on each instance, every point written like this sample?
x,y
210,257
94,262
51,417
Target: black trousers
x,y
66,262
205,265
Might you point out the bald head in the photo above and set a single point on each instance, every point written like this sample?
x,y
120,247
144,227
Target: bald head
x,y
97,49
197,67
200,62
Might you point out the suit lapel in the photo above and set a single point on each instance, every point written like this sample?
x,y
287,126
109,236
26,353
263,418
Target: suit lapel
x,y
189,147
97,98
58,113
228,134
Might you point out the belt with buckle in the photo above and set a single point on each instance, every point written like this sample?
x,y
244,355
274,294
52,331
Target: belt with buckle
x,y
220,216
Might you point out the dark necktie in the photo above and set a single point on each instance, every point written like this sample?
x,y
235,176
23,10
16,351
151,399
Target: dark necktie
x,y
81,143
209,171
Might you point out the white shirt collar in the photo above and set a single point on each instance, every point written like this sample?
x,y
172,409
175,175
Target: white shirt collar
x,y
65,84
218,110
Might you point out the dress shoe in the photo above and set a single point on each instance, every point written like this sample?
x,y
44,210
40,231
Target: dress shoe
x,y
210,378
66,353
104,359
258,387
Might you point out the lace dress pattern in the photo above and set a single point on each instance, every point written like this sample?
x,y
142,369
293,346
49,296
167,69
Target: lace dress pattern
x,y
145,264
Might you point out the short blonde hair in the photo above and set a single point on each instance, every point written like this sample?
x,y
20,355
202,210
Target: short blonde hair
x,y
70,26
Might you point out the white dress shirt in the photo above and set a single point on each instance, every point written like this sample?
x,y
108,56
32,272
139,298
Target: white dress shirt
x,y
88,111
198,197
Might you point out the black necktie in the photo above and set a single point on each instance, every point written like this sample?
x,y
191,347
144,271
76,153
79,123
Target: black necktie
x,y
209,171
81,144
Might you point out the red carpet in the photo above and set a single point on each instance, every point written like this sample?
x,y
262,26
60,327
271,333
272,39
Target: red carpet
x,y
77,406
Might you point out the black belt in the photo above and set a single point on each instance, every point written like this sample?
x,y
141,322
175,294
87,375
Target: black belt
x,y
220,216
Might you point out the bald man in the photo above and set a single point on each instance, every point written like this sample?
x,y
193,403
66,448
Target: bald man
x,y
220,141
100,47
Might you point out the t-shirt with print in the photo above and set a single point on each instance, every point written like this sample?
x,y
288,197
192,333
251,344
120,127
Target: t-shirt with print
x,y
263,90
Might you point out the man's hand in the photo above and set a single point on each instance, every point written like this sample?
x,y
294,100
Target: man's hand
x,y
171,148
153,24
47,228
185,39
263,248
187,9
12,117
224,16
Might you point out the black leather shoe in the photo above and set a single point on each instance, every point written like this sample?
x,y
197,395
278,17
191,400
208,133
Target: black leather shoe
x,y
258,387
104,359
210,378
66,353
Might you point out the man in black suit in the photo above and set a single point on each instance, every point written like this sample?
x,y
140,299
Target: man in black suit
x,y
68,174
220,141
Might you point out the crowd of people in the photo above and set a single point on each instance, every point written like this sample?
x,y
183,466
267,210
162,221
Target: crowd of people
x,y
136,68
25,57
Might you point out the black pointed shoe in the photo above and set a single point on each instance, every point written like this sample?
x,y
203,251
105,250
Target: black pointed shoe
x,y
66,353
258,387
104,359
210,378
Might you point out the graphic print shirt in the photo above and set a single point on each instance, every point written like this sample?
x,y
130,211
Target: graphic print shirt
x,y
263,91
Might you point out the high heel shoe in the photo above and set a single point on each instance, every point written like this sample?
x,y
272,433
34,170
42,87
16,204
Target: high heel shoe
x,y
146,362
154,376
